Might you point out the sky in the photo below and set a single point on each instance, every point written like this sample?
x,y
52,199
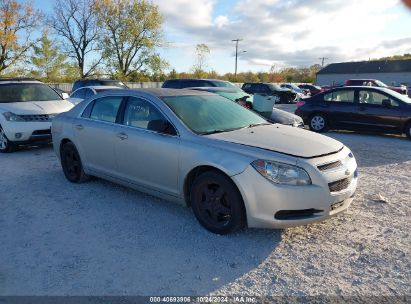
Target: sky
x,y
283,33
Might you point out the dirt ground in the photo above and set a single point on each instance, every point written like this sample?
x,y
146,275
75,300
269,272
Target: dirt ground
x,y
97,238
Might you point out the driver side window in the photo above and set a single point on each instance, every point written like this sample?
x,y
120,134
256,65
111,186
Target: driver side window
x,y
375,98
142,114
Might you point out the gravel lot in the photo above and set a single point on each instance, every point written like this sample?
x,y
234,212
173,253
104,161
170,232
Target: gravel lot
x,y
98,238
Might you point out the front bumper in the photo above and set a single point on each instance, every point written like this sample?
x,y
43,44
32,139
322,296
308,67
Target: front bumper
x,y
270,205
27,132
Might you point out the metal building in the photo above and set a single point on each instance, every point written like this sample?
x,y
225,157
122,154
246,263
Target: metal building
x,y
391,72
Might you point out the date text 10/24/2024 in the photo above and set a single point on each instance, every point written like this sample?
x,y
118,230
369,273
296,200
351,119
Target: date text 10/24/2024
x,y
204,299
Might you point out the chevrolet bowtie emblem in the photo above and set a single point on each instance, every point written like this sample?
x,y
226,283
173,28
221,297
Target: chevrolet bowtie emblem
x,y
347,172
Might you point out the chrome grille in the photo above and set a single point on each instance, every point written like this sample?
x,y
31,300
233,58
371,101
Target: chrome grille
x,y
340,185
40,118
330,166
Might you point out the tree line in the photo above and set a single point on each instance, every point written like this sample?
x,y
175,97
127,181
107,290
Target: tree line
x,y
105,38
80,39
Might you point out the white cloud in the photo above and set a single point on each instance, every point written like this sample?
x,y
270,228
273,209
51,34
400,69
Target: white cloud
x,y
186,14
292,32
221,21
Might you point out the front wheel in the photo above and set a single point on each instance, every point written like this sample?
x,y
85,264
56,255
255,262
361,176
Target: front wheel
x,y
318,123
217,203
6,146
71,163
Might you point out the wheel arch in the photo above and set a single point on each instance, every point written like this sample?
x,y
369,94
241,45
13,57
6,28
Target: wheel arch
x,y
63,142
195,172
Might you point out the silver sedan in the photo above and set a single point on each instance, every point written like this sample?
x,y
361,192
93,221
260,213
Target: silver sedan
x,y
232,167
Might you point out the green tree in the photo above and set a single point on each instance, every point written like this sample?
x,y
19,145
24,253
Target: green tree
x,y
130,31
157,68
47,60
17,23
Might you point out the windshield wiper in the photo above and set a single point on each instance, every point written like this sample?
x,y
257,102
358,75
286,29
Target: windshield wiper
x,y
256,125
218,131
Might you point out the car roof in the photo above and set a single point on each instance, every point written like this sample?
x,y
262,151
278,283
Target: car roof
x,y
160,92
361,79
97,79
18,80
217,89
386,90
100,87
204,79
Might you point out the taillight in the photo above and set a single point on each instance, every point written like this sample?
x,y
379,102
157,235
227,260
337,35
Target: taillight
x,y
300,103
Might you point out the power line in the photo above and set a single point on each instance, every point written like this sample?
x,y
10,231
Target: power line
x,y
322,60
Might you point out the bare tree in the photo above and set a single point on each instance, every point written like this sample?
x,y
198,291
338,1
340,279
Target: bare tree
x,y
76,22
202,52
17,22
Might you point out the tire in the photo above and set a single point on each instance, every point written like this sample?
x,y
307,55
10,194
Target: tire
x,y
408,130
6,146
217,204
71,163
318,123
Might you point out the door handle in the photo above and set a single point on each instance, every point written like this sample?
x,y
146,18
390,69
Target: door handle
x,y
122,136
362,108
79,127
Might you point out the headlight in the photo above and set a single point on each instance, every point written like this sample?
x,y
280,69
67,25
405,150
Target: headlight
x,y
280,173
12,117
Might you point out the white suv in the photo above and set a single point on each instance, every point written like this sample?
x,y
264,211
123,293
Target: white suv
x,y
27,107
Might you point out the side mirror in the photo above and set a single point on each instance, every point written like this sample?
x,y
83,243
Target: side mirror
x,y
386,103
161,126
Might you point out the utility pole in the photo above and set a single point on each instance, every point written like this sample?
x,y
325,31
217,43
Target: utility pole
x,y
236,55
322,60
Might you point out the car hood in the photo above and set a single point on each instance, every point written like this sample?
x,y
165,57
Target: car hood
x,y
283,139
37,107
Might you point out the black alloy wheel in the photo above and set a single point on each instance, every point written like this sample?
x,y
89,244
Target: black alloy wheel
x,y
71,163
217,203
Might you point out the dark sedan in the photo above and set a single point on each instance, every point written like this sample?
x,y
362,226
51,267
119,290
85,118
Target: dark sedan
x,y
262,88
358,108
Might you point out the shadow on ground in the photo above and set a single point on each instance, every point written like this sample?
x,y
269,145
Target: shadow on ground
x,y
102,239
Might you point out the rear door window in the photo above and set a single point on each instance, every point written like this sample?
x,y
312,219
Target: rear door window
x,y
343,96
106,108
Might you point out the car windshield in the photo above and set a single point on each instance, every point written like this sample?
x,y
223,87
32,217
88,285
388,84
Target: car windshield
x,y
401,97
234,96
207,114
296,89
381,84
114,83
23,92
275,86
224,84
